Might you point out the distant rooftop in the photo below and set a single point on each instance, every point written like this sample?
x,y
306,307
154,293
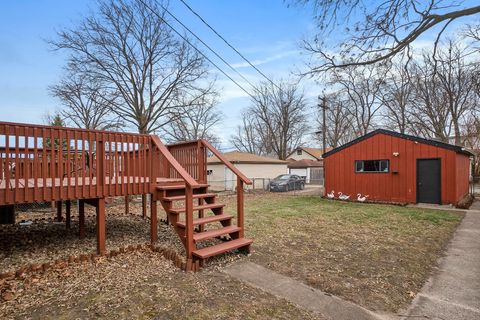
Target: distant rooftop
x,y
315,152
245,157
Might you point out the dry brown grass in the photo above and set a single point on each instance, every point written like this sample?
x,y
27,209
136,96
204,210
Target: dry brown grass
x,y
374,255
378,256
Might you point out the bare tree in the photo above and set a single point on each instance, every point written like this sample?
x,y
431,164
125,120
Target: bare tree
x,y
471,139
246,137
376,30
430,116
193,122
277,117
361,88
472,31
396,97
338,121
458,82
85,103
444,93
129,48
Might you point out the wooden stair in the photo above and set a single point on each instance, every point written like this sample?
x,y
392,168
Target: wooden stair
x,y
217,249
205,235
202,207
210,213
205,220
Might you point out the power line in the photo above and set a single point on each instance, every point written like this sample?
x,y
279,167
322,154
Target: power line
x,y
198,50
206,45
228,44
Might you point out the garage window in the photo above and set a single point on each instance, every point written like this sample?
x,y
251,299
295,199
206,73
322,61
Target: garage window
x,y
372,165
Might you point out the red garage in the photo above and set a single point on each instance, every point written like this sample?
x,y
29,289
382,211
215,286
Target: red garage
x,y
393,167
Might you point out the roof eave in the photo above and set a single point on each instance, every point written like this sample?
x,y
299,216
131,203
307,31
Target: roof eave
x,y
438,144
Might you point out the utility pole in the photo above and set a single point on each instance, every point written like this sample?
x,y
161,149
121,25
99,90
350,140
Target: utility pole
x,y
323,106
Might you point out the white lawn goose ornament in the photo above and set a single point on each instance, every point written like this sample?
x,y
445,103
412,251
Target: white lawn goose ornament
x,y
331,195
360,198
342,196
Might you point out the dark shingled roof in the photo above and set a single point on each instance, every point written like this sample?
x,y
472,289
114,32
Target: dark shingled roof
x,y
438,144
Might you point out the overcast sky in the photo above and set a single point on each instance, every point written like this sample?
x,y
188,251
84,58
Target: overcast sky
x,y
266,31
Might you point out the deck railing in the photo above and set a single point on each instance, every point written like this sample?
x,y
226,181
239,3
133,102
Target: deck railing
x,y
43,163
192,155
186,154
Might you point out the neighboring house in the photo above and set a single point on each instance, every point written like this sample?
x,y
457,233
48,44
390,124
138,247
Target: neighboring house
x,y
258,168
310,170
305,153
307,163
394,167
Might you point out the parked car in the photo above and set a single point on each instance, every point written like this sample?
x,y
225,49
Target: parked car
x,y
287,182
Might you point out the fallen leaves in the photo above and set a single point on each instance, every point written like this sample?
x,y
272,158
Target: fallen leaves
x,y
140,284
7,296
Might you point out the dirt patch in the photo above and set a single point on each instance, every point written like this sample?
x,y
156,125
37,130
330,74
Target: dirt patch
x,y
139,285
45,241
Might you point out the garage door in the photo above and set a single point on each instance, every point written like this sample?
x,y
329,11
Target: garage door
x,y
299,172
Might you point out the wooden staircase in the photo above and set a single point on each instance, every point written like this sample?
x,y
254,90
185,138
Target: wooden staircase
x,y
94,165
211,222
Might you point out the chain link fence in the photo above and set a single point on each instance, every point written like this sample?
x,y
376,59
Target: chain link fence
x,y
49,209
260,184
42,210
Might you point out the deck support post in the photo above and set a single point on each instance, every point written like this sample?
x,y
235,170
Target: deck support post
x,y
201,227
144,206
153,220
240,207
127,203
189,245
101,226
59,211
81,219
68,207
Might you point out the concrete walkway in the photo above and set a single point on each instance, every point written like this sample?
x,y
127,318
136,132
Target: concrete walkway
x,y
306,297
453,291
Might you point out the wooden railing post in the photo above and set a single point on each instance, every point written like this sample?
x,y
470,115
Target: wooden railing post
x,y
101,167
240,207
189,220
202,176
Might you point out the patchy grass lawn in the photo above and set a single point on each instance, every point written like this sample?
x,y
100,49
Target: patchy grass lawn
x,y
377,256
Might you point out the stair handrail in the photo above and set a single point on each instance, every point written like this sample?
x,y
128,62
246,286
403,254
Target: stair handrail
x,y
174,163
190,184
241,179
227,163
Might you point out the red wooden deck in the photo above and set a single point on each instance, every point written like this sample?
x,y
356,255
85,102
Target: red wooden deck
x,y
44,164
